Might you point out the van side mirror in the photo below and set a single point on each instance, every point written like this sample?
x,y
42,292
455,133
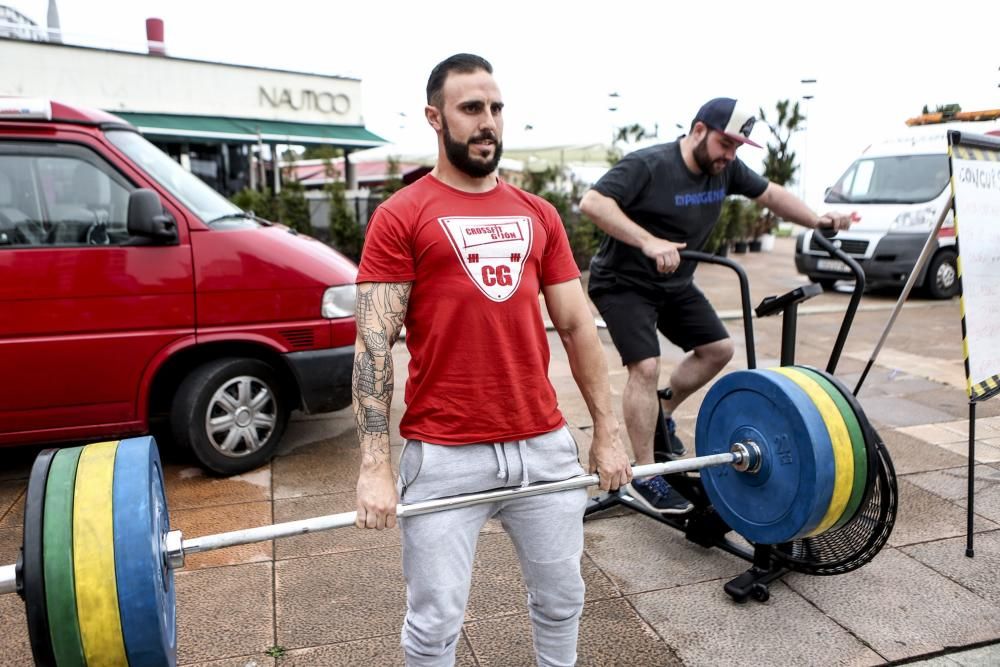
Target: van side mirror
x,y
147,220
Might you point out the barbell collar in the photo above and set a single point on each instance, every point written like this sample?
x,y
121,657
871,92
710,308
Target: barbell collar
x,y
750,458
173,547
331,521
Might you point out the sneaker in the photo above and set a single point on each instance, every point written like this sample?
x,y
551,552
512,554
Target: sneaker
x,y
658,496
674,443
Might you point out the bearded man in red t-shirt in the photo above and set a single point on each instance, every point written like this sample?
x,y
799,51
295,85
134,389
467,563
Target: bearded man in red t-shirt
x,y
459,257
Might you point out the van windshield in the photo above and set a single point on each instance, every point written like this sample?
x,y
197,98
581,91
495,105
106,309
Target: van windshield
x,y
194,193
897,179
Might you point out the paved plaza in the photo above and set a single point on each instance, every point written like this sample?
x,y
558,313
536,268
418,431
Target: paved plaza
x,y
653,598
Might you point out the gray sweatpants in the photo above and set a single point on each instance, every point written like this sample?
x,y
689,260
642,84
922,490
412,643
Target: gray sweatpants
x,y
438,548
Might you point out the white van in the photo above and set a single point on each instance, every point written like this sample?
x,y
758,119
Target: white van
x,y
895,191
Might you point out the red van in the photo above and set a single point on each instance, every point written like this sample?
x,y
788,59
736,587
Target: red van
x,y
136,299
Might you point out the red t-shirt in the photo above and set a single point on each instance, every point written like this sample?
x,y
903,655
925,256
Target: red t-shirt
x,y
479,354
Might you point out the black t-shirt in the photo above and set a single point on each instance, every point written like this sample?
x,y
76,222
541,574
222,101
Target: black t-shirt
x,y
656,190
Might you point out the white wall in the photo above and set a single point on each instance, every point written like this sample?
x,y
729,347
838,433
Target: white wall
x,y
117,81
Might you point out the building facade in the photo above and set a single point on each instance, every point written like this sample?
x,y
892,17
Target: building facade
x,y
224,122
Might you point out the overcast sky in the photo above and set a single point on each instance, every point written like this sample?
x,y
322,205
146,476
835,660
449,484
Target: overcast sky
x,y
876,63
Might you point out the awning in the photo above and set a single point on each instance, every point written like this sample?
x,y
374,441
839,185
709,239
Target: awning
x,y
571,155
248,130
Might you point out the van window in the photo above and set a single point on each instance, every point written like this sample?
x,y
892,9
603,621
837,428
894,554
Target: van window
x,y
202,200
898,179
53,198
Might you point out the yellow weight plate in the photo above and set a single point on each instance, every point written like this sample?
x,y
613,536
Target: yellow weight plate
x,y
843,452
94,557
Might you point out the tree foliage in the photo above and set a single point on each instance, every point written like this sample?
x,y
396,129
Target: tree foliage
x,y
293,208
627,134
944,109
345,232
779,165
289,207
738,222
260,203
557,186
322,153
394,180
631,133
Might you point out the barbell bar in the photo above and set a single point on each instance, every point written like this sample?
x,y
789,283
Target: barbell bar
x,y
765,453
743,456
8,579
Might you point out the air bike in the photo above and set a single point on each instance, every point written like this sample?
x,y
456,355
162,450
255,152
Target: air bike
x,y
786,459
818,492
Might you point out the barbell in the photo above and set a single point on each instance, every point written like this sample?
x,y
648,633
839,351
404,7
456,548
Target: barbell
x,y
780,454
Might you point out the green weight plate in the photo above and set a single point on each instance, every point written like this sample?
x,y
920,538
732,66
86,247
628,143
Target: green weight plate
x,y
60,592
32,568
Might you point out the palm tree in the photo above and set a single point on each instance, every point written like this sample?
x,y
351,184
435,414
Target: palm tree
x,y
779,165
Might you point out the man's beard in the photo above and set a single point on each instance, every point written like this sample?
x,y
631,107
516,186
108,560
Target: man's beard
x,y
459,153
703,161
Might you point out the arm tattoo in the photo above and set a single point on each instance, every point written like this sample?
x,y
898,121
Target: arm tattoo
x,y
379,314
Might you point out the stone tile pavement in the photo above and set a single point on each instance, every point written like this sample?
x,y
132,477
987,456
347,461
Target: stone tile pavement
x,y
653,598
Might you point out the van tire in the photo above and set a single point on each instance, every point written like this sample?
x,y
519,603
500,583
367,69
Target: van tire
x,y
226,386
941,279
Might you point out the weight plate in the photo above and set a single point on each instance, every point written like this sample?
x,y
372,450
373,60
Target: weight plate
x,y
840,439
94,556
146,596
33,568
60,594
790,493
857,445
870,436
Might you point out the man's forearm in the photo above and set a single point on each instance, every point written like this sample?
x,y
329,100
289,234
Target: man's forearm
x,y
607,215
787,206
379,314
373,378
590,371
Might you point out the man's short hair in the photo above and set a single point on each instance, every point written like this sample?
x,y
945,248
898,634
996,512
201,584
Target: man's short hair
x,y
463,63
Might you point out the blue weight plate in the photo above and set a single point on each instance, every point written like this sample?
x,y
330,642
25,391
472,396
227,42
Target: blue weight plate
x,y
791,492
32,565
146,598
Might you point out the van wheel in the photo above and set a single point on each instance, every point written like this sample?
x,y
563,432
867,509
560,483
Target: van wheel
x,y
941,281
231,413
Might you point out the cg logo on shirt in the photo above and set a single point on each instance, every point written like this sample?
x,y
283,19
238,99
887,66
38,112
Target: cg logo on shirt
x,y
492,250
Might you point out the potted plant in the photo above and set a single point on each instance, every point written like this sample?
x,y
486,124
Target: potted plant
x,y
734,210
758,223
719,239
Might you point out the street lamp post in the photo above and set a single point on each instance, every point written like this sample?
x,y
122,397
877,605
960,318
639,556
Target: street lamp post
x,y
806,96
613,107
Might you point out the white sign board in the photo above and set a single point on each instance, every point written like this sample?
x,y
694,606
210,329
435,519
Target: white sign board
x,y
975,182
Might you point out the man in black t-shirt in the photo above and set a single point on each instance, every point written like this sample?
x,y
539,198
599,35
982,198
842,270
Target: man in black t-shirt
x,y
651,204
